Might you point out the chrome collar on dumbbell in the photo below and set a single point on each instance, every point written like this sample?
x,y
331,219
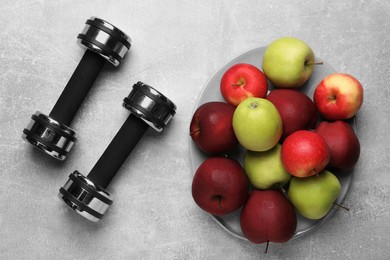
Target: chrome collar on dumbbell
x,y
52,134
150,105
104,38
82,195
87,195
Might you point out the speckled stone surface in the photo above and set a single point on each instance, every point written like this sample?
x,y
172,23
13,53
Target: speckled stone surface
x,y
177,46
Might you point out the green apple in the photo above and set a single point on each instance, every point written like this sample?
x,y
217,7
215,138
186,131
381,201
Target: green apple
x,y
257,124
314,196
288,62
265,170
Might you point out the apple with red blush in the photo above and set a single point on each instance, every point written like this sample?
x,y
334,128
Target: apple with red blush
x,y
305,153
297,110
268,216
343,143
241,81
211,127
338,96
220,186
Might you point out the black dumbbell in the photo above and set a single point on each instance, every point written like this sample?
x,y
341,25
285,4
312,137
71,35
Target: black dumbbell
x,y
87,195
103,42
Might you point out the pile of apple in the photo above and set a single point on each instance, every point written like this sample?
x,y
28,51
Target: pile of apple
x,y
295,146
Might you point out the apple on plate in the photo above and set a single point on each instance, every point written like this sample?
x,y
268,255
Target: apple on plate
x,y
211,127
343,144
288,62
268,216
314,196
220,186
241,81
257,124
265,170
305,153
338,96
297,110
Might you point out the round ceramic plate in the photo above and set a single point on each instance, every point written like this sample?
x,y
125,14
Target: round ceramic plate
x,y
211,92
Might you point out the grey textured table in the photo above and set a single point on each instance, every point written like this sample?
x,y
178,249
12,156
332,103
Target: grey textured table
x,y
177,45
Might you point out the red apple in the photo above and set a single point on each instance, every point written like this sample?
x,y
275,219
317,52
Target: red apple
x,y
220,186
338,96
305,153
297,110
242,81
268,216
343,143
211,127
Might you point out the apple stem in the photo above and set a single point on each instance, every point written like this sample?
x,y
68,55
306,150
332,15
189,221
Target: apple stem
x,y
193,132
240,83
341,206
219,198
332,98
315,63
266,247
282,189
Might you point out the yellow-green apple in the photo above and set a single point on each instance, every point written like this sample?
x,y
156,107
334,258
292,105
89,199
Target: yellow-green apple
x,y
343,144
314,196
220,186
305,153
265,170
241,81
288,62
338,96
297,110
257,124
211,127
268,216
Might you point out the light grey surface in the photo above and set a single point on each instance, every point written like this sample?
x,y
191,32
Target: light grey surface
x,y
177,46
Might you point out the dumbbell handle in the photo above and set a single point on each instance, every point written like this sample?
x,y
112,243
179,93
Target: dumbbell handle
x,y
77,87
117,151
87,195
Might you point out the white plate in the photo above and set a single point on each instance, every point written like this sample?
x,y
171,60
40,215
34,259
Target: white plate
x,y
211,92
